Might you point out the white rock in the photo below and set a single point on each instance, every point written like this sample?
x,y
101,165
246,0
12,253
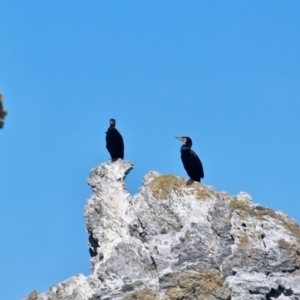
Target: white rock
x,y
179,241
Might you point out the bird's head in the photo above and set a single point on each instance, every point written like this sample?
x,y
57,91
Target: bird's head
x,y
112,122
185,139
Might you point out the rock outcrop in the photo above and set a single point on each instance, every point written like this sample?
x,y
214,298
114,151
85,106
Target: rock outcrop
x,y
3,112
177,241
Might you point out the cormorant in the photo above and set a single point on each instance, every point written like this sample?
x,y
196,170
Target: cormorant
x,y
114,141
190,159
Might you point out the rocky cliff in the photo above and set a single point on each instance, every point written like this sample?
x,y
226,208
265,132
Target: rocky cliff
x,y
177,241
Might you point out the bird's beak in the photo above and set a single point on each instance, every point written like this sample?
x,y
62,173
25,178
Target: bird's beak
x,y
178,138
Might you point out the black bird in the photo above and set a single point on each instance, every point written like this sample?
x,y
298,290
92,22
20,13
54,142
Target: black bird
x,y
114,141
190,159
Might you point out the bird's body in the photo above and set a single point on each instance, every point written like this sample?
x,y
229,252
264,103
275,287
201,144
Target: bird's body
x,y
190,160
114,141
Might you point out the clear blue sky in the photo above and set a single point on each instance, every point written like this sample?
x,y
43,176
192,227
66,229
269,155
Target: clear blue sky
x,y
225,73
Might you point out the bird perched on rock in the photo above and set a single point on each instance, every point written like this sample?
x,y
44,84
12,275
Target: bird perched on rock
x,y
114,141
190,159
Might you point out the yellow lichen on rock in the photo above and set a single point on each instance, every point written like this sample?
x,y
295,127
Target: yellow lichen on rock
x,y
165,185
240,205
198,285
142,295
283,244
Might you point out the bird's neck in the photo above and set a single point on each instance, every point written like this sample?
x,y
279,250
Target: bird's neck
x,y
185,147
